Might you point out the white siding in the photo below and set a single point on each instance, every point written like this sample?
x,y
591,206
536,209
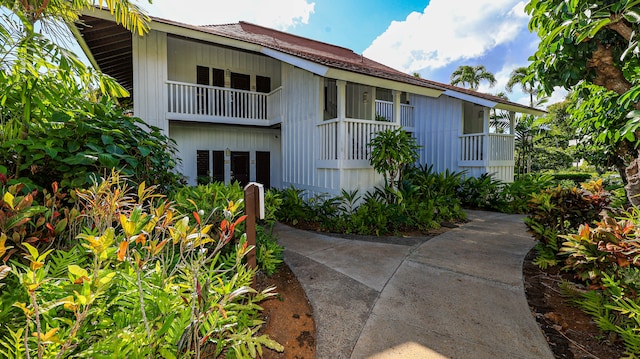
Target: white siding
x,y
438,124
192,137
303,110
149,75
185,55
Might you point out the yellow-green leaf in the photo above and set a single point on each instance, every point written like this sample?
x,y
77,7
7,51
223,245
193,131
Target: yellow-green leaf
x,y
78,271
8,199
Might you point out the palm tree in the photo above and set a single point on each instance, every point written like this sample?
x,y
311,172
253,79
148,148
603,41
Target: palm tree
x,y
472,75
518,77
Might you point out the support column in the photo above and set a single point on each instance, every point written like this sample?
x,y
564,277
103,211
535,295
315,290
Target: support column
x,y
485,136
396,106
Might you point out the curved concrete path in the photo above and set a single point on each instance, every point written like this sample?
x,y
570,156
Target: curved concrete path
x,y
456,295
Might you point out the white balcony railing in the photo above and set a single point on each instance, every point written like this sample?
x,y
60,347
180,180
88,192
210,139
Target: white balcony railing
x,y
187,100
348,139
406,117
385,109
499,147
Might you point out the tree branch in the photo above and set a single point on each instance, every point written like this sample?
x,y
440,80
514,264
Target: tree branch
x,y
620,25
608,75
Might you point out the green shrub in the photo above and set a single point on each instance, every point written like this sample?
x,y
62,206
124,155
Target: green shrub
x,y
142,282
74,149
214,198
559,211
518,193
482,192
577,178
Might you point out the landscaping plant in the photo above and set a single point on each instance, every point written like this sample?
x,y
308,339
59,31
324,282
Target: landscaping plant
x,y
558,211
141,281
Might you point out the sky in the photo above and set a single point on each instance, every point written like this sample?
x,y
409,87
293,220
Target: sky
x,y
430,37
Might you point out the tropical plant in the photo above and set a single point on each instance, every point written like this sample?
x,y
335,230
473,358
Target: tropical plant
x,y
74,149
559,211
142,282
592,44
472,76
392,151
519,77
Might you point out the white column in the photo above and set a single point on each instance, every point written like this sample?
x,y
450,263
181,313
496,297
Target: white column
x,y
396,106
485,136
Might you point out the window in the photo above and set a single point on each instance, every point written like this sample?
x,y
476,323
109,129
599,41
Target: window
x,y
202,164
263,84
218,77
202,96
218,166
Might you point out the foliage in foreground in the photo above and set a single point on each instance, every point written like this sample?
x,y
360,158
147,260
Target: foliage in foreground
x,y
74,149
141,281
606,258
558,211
211,198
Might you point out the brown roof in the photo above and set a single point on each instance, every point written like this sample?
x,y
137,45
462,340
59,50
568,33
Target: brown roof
x,y
305,48
315,51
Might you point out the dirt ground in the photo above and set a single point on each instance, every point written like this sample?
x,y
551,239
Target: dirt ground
x,y
288,316
570,332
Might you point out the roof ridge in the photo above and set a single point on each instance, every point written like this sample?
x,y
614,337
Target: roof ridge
x,y
297,36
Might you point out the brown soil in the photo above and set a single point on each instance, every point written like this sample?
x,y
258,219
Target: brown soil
x,y
288,316
569,331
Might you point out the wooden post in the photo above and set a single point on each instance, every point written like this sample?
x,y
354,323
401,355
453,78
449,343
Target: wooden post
x,y
251,200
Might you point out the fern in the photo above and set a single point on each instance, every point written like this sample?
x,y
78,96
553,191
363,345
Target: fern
x,y
61,260
546,256
12,345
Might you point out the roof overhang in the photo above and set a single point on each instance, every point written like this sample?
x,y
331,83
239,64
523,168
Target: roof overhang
x,y
507,106
338,74
192,32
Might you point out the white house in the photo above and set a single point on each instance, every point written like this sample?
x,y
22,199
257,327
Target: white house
x,y
249,103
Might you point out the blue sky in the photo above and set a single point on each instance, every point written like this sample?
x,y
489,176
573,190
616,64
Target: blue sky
x,y
431,37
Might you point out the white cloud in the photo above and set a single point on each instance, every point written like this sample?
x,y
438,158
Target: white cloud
x,y
278,14
448,31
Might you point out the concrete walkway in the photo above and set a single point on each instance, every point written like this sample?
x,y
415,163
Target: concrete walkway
x,y
456,295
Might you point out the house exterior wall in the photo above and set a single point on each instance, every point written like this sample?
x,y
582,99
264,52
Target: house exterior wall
x,y
438,126
149,76
184,55
303,110
192,137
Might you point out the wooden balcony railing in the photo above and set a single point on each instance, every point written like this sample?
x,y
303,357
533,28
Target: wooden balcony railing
x,y
486,147
348,139
385,109
199,102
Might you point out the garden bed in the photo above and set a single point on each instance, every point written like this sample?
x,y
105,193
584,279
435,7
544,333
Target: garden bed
x,y
570,332
288,316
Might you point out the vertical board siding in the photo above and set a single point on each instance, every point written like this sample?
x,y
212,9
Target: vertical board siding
x,y
193,137
149,75
438,125
302,111
185,55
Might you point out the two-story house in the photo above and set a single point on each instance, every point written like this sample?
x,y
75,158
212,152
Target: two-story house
x,y
249,103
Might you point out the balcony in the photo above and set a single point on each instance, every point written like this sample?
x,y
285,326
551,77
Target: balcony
x,y
190,102
385,109
490,153
344,143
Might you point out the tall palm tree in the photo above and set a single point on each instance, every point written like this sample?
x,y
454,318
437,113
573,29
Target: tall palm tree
x,y
517,77
472,76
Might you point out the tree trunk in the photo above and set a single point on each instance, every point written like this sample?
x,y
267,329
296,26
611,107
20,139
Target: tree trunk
x,y
633,182
611,77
